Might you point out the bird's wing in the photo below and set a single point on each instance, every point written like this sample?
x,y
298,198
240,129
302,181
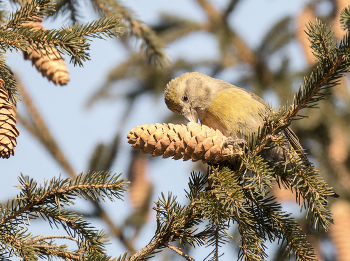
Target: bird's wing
x,y
294,141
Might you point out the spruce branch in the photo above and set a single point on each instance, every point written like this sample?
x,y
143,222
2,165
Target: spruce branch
x,y
30,11
175,221
40,131
177,250
10,82
312,188
174,27
11,41
230,7
152,45
333,64
73,40
62,7
345,18
227,194
50,202
59,191
282,226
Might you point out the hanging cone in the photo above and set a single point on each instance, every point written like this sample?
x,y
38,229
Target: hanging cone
x,y
283,194
340,230
307,15
140,185
191,141
8,130
47,61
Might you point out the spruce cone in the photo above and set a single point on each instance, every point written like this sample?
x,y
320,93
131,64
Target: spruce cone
x,y
140,185
340,230
51,64
193,141
306,15
8,130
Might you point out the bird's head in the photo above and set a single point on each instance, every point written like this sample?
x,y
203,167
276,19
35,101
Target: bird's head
x,y
189,95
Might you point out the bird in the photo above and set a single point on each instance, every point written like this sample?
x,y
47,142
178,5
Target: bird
x,y
236,112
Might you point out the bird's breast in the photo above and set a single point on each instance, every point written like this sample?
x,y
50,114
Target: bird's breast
x,y
234,112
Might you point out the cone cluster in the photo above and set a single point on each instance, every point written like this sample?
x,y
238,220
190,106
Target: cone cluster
x,y
8,130
47,61
191,141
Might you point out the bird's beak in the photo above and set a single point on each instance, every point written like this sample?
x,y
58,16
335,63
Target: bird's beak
x,y
190,114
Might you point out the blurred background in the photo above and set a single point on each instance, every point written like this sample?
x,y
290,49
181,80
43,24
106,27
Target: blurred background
x,y
259,45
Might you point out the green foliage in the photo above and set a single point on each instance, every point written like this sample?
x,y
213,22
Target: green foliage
x,y
345,18
31,11
10,82
71,40
151,45
240,194
50,202
231,193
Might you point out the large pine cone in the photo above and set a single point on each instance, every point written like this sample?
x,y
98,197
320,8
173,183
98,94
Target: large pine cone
x,y
191,141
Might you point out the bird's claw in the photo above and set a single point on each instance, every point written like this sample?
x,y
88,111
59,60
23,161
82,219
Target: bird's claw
x,y
234,143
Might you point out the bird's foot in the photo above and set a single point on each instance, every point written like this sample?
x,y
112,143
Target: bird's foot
x,y
234,143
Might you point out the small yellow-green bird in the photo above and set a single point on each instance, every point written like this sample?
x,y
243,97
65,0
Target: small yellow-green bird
x,y
236,112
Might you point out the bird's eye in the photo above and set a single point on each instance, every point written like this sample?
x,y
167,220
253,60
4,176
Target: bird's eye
x,y
185,98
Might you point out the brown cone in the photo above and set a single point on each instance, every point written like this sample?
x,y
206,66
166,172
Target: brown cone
x,y
340,230
191,141
283,194
8,130
307,15
140,185
49,63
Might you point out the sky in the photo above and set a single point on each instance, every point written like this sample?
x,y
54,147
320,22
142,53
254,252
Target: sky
x,y
78,129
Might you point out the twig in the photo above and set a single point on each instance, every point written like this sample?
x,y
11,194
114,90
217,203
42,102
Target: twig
x,y
178,251
243,51
52,237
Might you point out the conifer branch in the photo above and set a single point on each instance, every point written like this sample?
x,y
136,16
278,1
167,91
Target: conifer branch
x,y
175,221
289,228
11,41
333,63
230,7
72,40
67,6
40,131
345,18
177,250
10,82
51,237
95,184
152,45
50,202
229,196
31,11
312,188
174,27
